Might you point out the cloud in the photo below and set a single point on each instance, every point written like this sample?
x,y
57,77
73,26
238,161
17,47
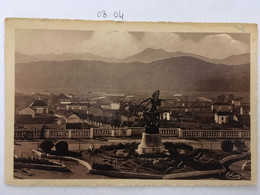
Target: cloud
x,y
111,44
166,41
220,46
124,44
34,41
211,46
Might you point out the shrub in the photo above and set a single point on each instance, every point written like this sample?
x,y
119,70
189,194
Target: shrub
x,y
120,146
34,161
172,148
102,166
210,164
160,167
240,145
183,146
46,146
111,147
62,147
131,147
227,146
169,145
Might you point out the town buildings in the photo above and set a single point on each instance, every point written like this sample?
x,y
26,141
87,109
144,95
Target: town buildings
x,y
119,110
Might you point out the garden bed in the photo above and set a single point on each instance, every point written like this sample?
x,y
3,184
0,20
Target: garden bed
x,y
180,158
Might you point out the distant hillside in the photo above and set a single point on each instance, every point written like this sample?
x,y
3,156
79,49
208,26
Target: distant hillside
x,y
149,55
22,58
146,56
178,73
236,59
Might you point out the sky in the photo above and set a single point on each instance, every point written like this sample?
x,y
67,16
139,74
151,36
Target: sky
x,y
124,44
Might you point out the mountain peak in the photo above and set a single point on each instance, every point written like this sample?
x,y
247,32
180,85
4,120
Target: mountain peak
x,y
153,50
149,55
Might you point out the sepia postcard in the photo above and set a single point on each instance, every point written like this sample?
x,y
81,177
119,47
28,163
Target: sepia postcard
x,y
130,103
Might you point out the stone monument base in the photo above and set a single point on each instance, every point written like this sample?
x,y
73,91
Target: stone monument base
x,y
151,144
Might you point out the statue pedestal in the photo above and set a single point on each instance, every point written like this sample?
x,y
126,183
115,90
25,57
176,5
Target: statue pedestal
x,y
150,144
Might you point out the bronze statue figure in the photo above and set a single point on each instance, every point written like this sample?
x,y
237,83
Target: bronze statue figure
x,y
152,117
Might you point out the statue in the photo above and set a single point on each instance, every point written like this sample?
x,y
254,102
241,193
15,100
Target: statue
x,y
151,142
152,117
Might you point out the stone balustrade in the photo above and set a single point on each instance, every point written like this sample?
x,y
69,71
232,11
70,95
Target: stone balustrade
x,y
100,132
214,134
26,134
79,134
169,132
128,132
60,134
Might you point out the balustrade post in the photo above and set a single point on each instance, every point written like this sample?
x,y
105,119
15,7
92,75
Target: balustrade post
x,y
91,133
113,133
69,133
200,134
220,135
240,134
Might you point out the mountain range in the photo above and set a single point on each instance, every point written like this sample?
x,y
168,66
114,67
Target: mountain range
x,y
149,55
146,56
170,73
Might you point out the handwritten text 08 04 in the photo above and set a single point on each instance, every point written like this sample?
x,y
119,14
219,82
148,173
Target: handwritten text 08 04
x,y
116,14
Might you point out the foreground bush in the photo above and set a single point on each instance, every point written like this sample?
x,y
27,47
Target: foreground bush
x,y
46,146
103,167
62,147
174,147
227,146
128,147
240,145
34,161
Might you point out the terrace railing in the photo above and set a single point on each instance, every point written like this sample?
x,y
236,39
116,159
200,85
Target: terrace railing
x,y
128,132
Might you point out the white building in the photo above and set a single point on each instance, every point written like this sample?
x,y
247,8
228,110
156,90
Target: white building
x,y
115,106
236,103
27,111
73,118
40,107
222,117
166,116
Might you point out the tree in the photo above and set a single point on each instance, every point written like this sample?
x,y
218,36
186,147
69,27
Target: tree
x,y
115,122
43,132
53,102
231,97
90,116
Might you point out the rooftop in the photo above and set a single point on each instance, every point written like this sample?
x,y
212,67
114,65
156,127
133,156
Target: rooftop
x,y
221,103
223,113
38,103
27,119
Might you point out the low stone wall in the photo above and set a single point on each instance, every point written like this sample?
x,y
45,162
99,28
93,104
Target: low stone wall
x,y
40,166
128,175
82,162
231,159
194,174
